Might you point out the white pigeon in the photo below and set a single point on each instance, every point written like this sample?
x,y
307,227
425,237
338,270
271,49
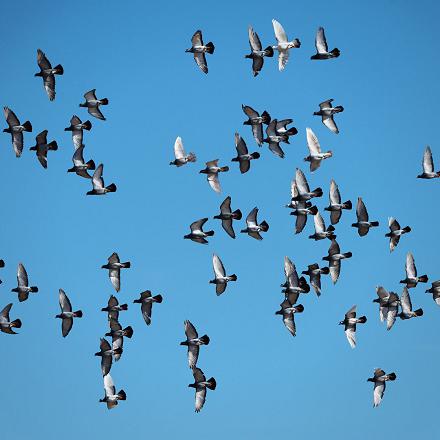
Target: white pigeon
x,y
284,45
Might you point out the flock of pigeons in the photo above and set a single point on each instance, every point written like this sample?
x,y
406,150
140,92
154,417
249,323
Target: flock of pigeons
x,y
301,205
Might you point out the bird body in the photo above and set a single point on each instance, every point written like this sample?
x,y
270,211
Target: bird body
x,y
288,311
350,321
253,228
114,267
193,342
327,111
201,385
395,232
181,158
197,234
243,156
283,45
322,52
379,379
227,216
146,301
199,50
42,147
92,103
221,279
67,315
47,72
212,170
23,289
6,325
99,187
257,53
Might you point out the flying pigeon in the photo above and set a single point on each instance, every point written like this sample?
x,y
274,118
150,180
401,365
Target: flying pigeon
x,y
23,288
335,207
6,325
428,166
113,308
253,229
199,49
193,342
80,167
106,353
395,232
226,216
281,128
363,225
93,103
294,195
412,279
388,305
212,169
197,234
379,380
284,45
47,72
114,267
294,285
334,258
315,272
256,121
350,322
304,193
16,130
99,187
77,128
181,158
42,147
111,398
326,111
221,280
301,211
146,301
117,333
67,314
435,291
257,53
274,139
322,52
316,156
201,384
243,156
321,232
288,311
405,303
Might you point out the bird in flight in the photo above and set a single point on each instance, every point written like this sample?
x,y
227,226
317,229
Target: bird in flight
x,y
284,45
201,385
257,53
327,111
322,52
379,379
16,129
350,322
66,315
47,72
92,103
193,342
181,158
199,49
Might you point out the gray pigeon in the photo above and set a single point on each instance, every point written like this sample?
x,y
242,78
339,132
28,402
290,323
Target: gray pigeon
x,y
363,225
350,322
16,129
113,308
388,305
47,72
334,258
77,128
406,305
181,158
326,111
193,342
395,232
428,166
117,333
80,167
92,103
274,139
106,353
6,325
379,379
212,169
315,272
42,147
294,285
335,207
99,188
23,288
111,397
197,234
322,52
435,291
146,301
257,53
284,45
411,278
253,228
226,216
201,384
256,121
199,49
67,315
304,193
220,280
321,233
288,311
243,156
316,156
114,267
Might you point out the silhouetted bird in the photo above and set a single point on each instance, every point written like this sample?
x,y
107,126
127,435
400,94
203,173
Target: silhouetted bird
x,y
47,72
274,139
146,301
113,308
16,129
106,353
379,380
92,103
80,167
334,258
66,314
199,49
201,384
226,216
315,272
316,156
42,147
435,291
117,333
388,305
293,285
304,193
114,267
197,234
322,52
406,305
193,342
321,232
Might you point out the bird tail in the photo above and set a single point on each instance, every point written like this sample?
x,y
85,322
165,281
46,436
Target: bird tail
x,y
87,125
16,323
34,289
423,279
209,233
121,395
303,284
268,52
317,192
233,277
52,146
58,69
103,101
299,308
237,215
362,320
126,265
90,165
347,254
291,132
117,350
265,117
27,126
211,384
223,169
128,331
325,270
338,109
210,47
313,210
205,339
158,298
255,155
407,229
2,263
392,376
335,52
374,223
191,157
296,42
124,307
111,188
331,228
78,314
264,226
347,204
418,312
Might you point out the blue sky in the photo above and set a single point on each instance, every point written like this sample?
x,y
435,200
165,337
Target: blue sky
x,y
268,382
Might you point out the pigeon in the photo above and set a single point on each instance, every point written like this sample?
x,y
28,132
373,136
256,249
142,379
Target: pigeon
x,y
334,258
243,156
221,280
47,72
117,333
16,130
181,158
201,384
363,225
6,325
114,267
304,193
256,121
193,342
113,308
315,272
111,398
226,216
379,380
93,103
99,187
322,52
301,211
253,229
146,301
66,314
326,111
388,305
106,352
281,128
350,322
316,156
428,166
197,234
395,232
23,288
42,147
294,204
294,285
284,45
274,139
321,232
405,303
77,128
288,311
435,291
212,169
2,264
257,53
412,279
335,207
80,167
199,49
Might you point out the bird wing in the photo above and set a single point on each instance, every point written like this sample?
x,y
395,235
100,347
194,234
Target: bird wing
x,y
200,398
326,104
49,86
394,241
66,326
280,33
319,223
5,312
64,302
315,281
290,272
225,207
104,345
240,145
109,386
42,138
114,258
198,375
117,342
393,224
251,219
97,180
90,95
146,309
112,301
250,112
115,278
190,330
361,211
301,182
351,313
329,122
271,128
350,333
320,41
335,270
276,149
257,131
335,195
283,58
257,64
289,322
405,301
219,269
10,117
391,316
300,222
427,163
382,293
254,40
255,235
335,216
334,248
379,389
200,59
179,152
227,226
293,189
106,364
410,267
96,112
220,288
213,181
197,39
42,60
22,277
312,142
193,355
198,224
78,158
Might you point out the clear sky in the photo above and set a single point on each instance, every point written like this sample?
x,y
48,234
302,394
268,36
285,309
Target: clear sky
x,y
269,384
